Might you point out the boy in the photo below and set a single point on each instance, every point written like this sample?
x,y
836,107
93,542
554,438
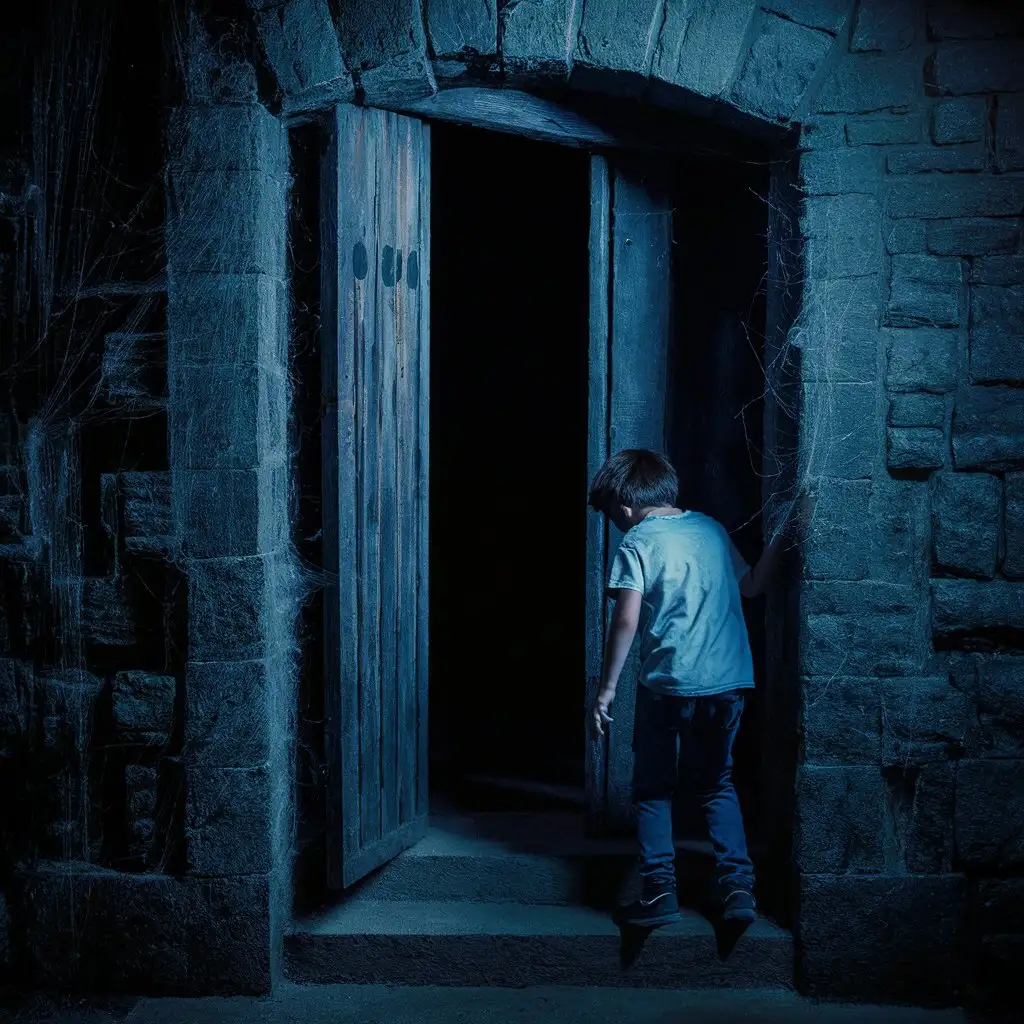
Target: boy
x,y
679,575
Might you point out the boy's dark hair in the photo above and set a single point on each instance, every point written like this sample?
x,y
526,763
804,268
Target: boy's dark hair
x,y
636,478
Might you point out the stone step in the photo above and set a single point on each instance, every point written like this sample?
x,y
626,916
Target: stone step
x,y
524,858
379,942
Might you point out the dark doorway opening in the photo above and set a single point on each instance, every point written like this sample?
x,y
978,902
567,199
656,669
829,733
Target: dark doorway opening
x,y
509,344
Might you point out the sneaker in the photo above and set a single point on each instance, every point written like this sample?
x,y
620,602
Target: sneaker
x,y
657,906
740,905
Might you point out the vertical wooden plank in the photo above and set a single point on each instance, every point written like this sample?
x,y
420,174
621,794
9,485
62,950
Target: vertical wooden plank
x,y
348,263
369,133
597,452
388,216
406,353
639,362
423,478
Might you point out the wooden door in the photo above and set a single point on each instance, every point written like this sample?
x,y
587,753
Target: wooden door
x,y
630,331
375,314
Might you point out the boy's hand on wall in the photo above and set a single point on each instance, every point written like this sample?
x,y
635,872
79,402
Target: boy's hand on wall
x,y
599,717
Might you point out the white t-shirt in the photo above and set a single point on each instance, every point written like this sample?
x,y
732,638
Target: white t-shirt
x,y
693,638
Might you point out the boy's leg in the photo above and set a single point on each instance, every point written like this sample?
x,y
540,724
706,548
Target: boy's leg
x,y
713,733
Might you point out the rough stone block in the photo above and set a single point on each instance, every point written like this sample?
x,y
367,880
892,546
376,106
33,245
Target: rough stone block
x,y
845,920
700,46
840,171
883,130
994,684
140,781
1000,904
972,607
923,720
939,196
228,821
988,429
844,236
228,138
884,26
990,813
959,120
929,842
900,538
906,236
779,67
917,410
458,29
224,419
135,367
921,360
228,319
828,15
849,357
929,269
535,37
863,83
973,237
226,602
618,36
67,705
839,819
997,334
225,222
143,706
965,522
821,132
301,46
841,722
917,448
1013,558
1010,133
838,433
834,306
227,723
834,547
229,512
998,270
108,616
145,508
972,157
915,303
982,67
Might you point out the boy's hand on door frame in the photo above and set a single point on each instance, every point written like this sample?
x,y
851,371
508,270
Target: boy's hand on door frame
x,y
599,718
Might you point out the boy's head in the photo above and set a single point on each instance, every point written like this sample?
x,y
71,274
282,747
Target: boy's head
x,y
631,482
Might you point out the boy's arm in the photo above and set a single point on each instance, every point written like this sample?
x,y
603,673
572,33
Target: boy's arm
x,y
755,582
625,620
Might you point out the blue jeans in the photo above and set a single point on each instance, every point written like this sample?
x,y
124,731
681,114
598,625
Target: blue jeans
x,y
669,731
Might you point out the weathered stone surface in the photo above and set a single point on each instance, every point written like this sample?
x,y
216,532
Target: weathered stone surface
x,y
214,66
228,829
228,138
849,357
536,36
973,236
228,318
226,601
900,534
991,66
951,19
846,920
914,302
906,236
994,684
938,196
884,26
917,410
844,236
135,367
998,270
840,171
834,545
620,36
146,506
1013,558
1010,133
143,706
841,722
828,15
226,419
779,67
997,334
249,205
990,813
301,45
227,721
988,429
921,359
460,29
863,83
973,606
919,836
108,616
923,719
839,819
959,120
701,46
883,130
863,629
839,435
109,931
971,157
140,781
965,522
915,448
821,131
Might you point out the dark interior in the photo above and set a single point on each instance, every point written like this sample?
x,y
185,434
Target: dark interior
x,y
509,293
